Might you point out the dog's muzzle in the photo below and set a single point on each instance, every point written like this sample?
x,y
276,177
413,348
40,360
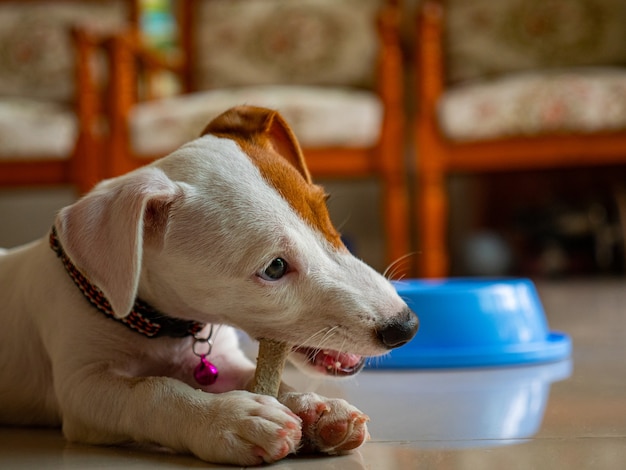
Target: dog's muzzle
x,y
394,333
400,330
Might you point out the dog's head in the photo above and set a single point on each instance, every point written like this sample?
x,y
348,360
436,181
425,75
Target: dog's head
x,y
231,229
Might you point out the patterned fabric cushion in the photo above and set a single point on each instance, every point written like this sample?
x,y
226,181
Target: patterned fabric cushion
x,y
36,55
304,42
319,116
31,128
581,100
486,38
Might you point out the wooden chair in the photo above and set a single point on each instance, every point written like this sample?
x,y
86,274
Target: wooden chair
x,y
332,68
505,86
49,89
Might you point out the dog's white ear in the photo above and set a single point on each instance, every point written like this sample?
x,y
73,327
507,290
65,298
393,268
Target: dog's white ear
x,y
264,127
103,233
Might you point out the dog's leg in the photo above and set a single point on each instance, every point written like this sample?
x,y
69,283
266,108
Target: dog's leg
x,y
330,426
236,427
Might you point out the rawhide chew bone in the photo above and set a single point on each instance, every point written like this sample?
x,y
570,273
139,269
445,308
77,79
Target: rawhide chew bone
x,y
269,366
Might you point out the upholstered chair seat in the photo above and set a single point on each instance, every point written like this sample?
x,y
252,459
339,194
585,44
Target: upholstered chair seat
x,y
320,116
30,127
49,81
534,103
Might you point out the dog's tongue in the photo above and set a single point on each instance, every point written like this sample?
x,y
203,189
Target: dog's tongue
x,y
333,362
338,360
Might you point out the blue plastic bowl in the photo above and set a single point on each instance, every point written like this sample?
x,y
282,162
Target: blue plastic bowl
x,y
475,323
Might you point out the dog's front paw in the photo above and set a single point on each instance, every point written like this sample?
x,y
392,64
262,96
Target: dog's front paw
x,y
329,426
249,429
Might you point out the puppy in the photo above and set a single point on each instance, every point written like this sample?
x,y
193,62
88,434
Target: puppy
x,y
118,326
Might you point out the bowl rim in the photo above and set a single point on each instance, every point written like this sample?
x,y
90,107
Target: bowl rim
x,y
555,346
457,284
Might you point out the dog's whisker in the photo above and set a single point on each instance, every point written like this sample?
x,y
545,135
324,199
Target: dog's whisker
x,y
323,341
394,273
343,223
401,270
323,332
403,280
343,345
313,339
397,265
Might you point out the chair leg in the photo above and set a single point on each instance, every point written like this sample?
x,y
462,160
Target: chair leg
x,y
122,97
432,216
396,223
86,169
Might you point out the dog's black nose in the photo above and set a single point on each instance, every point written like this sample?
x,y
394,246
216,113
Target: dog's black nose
x,y
400,330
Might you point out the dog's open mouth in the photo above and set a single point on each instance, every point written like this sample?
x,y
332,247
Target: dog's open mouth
x,y
331,362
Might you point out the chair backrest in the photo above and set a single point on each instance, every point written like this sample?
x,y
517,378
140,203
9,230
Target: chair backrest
x,y
36,52
492,37
306,42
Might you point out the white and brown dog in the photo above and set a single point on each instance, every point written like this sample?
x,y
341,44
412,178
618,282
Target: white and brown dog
x,y
227,230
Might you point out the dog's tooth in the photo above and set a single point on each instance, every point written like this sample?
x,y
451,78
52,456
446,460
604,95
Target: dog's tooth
x,y
338,365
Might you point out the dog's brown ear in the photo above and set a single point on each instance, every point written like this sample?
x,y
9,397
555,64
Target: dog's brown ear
x,y
104,232
262,126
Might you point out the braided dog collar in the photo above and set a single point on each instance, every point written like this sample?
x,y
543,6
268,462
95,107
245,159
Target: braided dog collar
x,y
143,318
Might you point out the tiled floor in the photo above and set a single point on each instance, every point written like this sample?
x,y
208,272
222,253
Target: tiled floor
x,y
569,415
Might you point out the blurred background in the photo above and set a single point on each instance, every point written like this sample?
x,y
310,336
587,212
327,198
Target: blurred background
x,y
475,137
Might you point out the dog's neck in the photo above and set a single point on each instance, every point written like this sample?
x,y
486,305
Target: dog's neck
x,y
143,318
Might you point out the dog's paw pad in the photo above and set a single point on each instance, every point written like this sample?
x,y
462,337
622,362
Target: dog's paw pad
x,y
312,414
328,425
334,433
343,433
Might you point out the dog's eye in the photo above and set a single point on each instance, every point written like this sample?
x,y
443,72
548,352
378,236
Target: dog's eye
x,y
276,270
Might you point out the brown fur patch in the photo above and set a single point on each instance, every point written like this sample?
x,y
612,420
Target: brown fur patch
x,y
269,142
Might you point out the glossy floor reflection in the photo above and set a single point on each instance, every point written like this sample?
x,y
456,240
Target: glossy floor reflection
x,y
566,415
458,409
